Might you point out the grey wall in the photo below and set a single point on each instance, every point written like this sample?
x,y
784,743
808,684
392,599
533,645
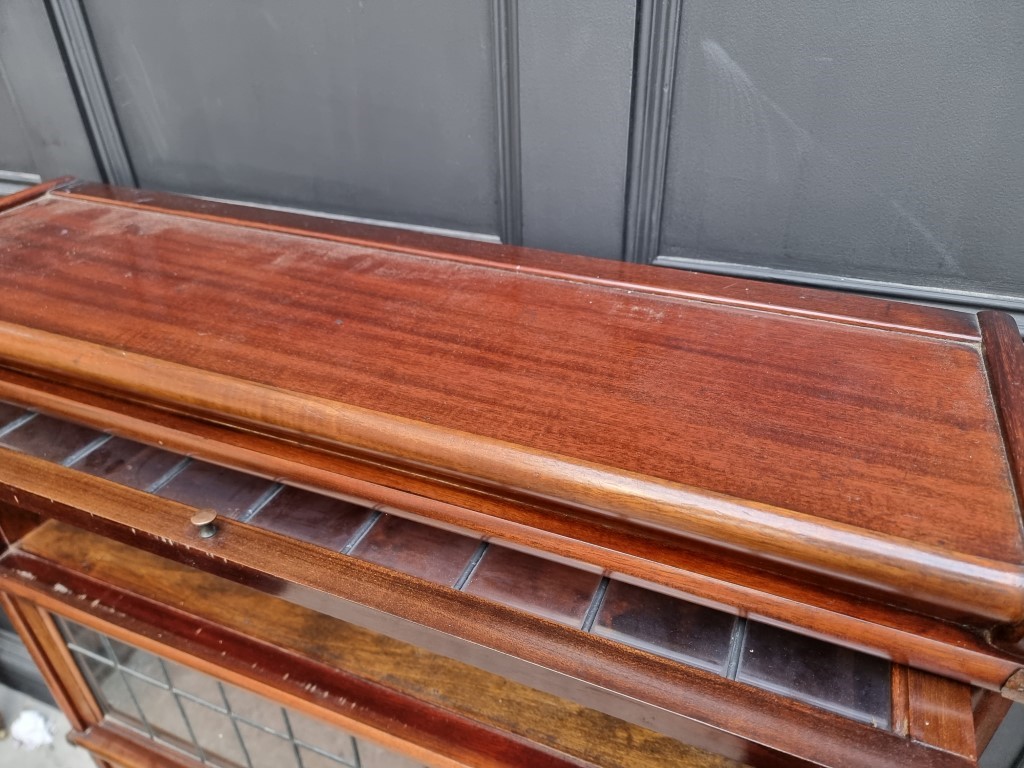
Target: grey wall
x,y
872,145
382,110
575,72
873,139
41,130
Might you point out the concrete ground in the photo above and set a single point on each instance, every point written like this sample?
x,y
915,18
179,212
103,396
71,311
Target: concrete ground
x,y
60,754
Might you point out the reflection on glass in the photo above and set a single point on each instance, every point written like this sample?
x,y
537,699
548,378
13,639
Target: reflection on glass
x,y
9,413
665,625
205,485
49,438
846,681
311,517
128,463
421,550
211,721
544,587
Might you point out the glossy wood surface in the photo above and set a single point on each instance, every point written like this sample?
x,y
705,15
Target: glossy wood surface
x,y
628,552
43,642
342,654
125,749
624,682
989,710
1004,356
803,301
834,447
127,576
940,712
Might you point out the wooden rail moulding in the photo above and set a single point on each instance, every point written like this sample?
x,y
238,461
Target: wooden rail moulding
x,y
780,525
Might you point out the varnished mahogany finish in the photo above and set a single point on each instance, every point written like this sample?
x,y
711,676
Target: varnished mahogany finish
x,y
139,584
806,457
906,638
833,447
630,552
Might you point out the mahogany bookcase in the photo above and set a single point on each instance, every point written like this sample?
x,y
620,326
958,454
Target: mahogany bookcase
x,y
280,490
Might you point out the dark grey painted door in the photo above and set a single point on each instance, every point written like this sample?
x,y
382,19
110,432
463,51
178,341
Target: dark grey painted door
x,y
872,145
41,131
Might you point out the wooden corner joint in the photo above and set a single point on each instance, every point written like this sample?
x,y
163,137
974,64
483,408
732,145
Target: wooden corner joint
x,y
1013,688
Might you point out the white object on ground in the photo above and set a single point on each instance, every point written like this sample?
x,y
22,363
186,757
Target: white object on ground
x,y
31,730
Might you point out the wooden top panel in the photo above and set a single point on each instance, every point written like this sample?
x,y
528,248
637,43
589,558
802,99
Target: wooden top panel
x,y
888,431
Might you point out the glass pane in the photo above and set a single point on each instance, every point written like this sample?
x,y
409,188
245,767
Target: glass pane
x,y
229,492
255,709
161,710
140,662
840,679
311,759
215,734
188,711
128,463
9,413
665,625
267,750
109,683
426,551
311,517
534,584
195,684
86,639
872,139
49,438
372,756
322,736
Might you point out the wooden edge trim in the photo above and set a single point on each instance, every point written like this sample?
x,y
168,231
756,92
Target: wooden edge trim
x,y
989,712
857,744
48,651
613,678
930,644
1013,688
900,568
124,748
148,624
941,714
432,734
900,714
933,322
1004,359
15,523
7,202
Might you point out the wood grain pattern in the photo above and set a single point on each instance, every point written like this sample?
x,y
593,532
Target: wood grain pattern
x,y
1004,356
940,713
812,451
288,626
7,202
51,657
396,353
771,297
620,681
627,552
846,461
989,710
900,715
332,654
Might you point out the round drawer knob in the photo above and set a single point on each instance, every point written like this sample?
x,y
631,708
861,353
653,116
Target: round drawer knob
x,y
204,520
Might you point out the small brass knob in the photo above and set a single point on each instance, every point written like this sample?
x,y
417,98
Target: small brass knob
x,y
204,521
